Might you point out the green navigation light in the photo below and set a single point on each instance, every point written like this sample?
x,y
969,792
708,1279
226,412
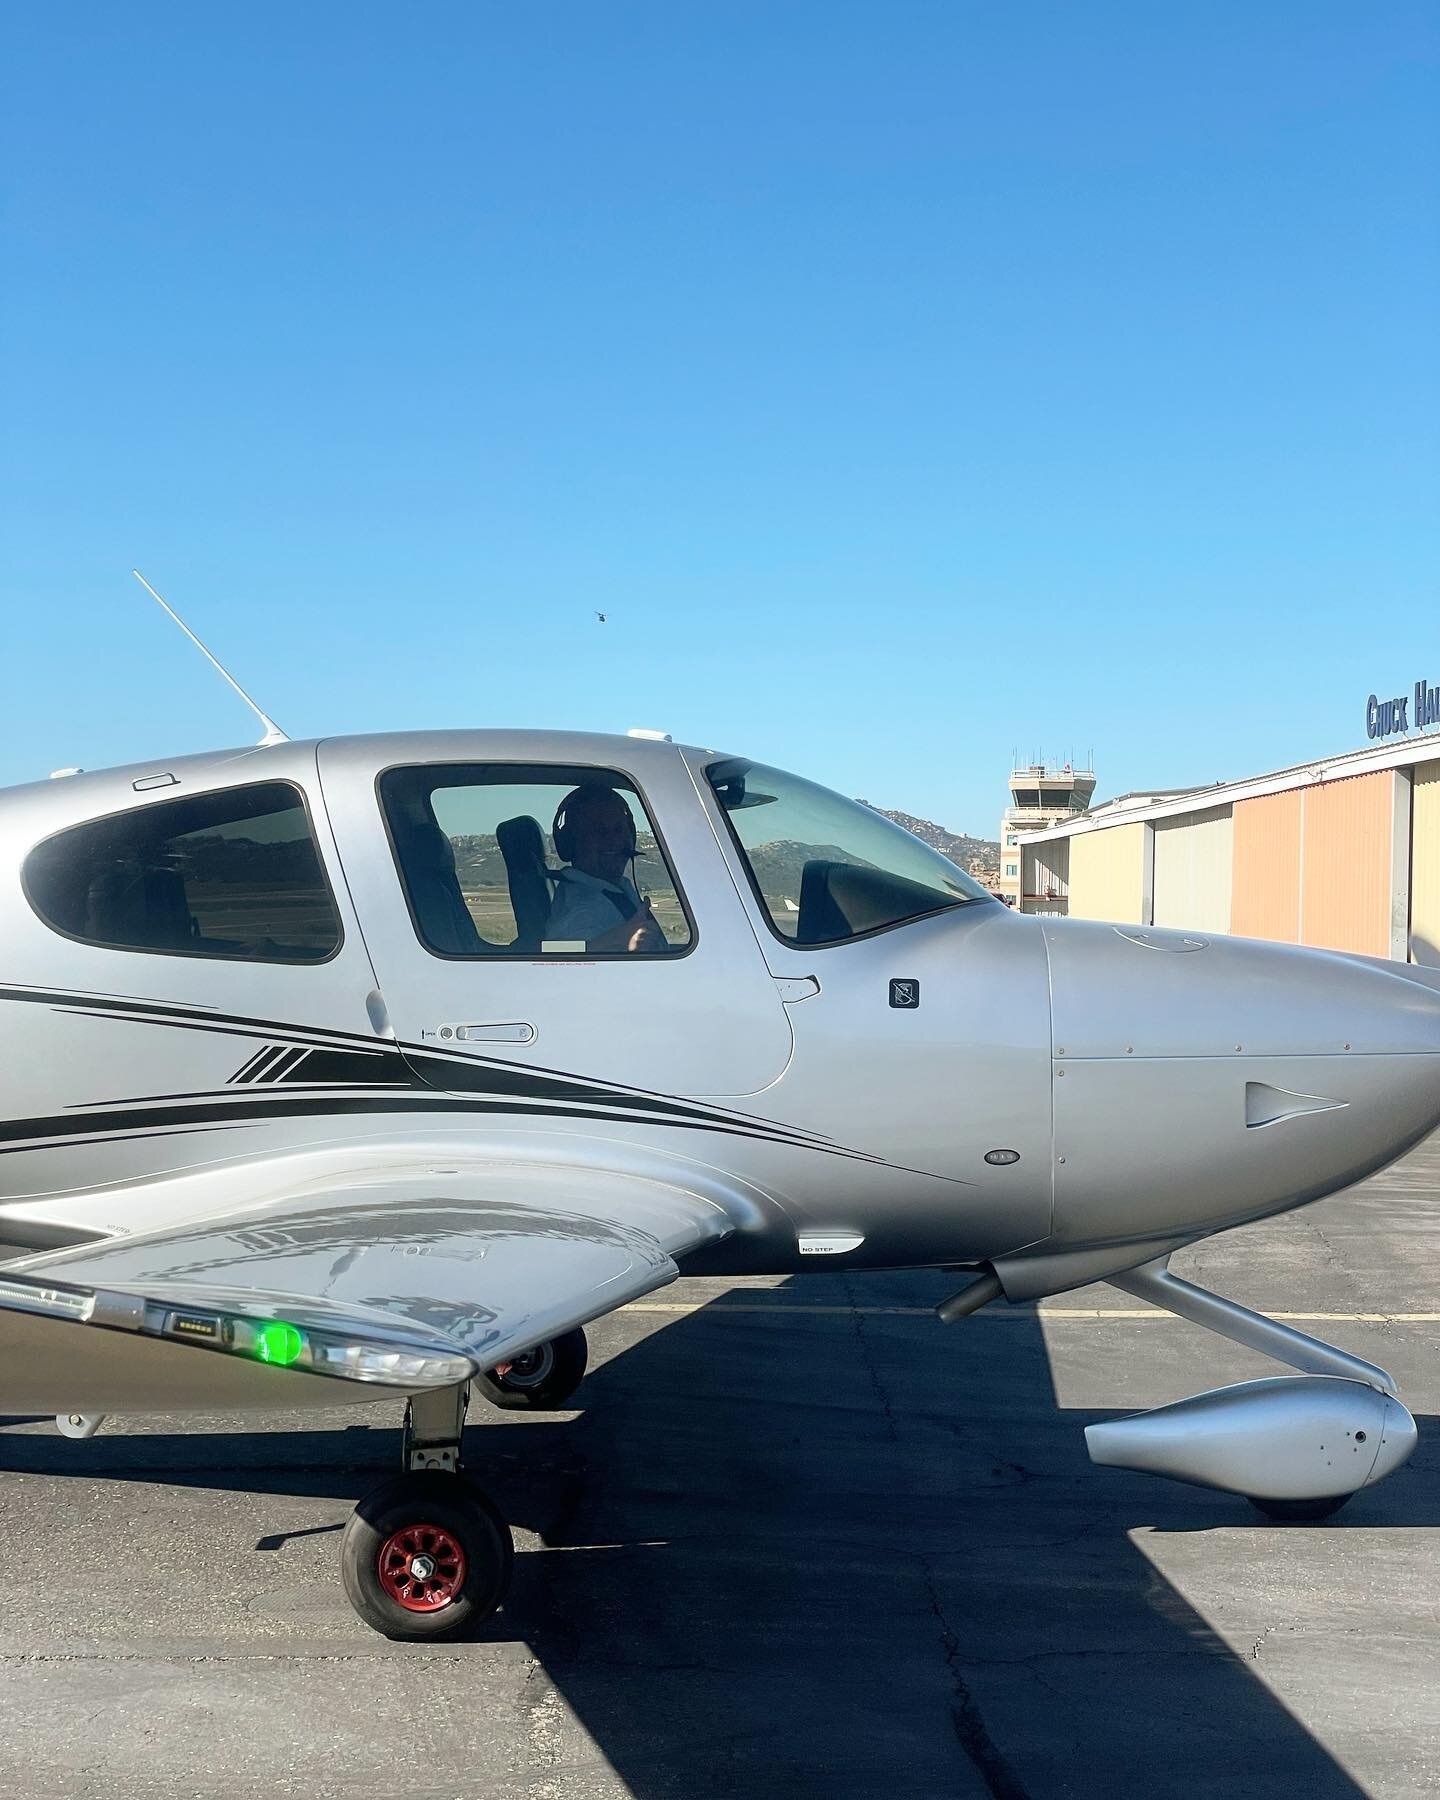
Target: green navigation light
x,y
279,1343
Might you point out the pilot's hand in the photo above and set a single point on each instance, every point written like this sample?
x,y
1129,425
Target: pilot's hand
x,y
637,933
647,934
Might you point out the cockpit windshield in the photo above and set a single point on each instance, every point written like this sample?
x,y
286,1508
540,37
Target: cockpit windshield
x,y
827,868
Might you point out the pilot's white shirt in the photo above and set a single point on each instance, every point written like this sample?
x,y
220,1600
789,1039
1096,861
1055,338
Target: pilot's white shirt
x,y
582,907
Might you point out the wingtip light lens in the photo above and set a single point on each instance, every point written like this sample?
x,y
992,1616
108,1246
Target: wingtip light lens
x,y
279,1342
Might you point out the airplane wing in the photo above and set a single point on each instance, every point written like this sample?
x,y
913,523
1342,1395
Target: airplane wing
x,y
401,1284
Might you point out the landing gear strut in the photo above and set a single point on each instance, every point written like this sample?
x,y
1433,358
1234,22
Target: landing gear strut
x,y
426,1554
1297,1447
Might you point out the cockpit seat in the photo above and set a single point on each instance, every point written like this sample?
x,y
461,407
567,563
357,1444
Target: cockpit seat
x,y
843,899
522,844
428,858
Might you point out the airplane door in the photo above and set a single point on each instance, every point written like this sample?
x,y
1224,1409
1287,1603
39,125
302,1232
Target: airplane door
x,y
452,861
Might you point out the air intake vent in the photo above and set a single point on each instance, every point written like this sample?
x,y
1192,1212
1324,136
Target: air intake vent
x,y
1266,1105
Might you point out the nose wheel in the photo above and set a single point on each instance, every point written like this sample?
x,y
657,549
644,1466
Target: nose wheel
x,y
1338,1423
1299,1512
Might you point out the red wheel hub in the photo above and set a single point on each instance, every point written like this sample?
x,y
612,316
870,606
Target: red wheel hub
x,y
421,1567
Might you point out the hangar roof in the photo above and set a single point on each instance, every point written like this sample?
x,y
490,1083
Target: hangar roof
x,y
1157,803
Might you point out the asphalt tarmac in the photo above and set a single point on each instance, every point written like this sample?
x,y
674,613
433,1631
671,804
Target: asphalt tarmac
x,y
798,1539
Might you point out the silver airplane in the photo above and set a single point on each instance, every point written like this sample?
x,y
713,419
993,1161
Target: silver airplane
x,y
380,1066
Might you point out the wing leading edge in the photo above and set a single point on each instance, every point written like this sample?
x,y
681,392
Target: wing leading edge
x,y
401,1284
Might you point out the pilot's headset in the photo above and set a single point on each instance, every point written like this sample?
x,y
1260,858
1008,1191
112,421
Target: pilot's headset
x,y
562,831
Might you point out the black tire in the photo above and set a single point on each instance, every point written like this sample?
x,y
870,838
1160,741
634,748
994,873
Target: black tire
x,y
435,1515
1297,1512
541,1379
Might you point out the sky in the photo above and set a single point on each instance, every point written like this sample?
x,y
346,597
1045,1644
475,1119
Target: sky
x,y
912,383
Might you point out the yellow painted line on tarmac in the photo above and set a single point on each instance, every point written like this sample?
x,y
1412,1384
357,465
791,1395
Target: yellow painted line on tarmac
x,y
782,1306
1313,1318
1068,1313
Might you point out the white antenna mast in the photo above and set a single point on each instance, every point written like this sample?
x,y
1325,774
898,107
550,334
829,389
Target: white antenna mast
x,y
273,733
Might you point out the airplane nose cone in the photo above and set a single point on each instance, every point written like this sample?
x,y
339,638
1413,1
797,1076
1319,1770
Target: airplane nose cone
x,y
1134,990
1238,1077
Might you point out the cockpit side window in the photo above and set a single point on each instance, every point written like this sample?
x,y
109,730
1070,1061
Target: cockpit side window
x,y
538,860
827,869
232,874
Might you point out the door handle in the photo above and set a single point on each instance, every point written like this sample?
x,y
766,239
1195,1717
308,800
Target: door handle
x,y
494,1032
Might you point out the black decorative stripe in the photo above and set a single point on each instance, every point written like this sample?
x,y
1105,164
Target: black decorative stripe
x,y
366,1071
260,1065
183,1113
200,1018
265,1099
347,1068
559,1082
260,1029
358,1068
331,1058
519,1082
461,1073
247,1071
542,1081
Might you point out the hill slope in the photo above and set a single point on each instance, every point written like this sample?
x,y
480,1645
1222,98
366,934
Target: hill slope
x,y
979,857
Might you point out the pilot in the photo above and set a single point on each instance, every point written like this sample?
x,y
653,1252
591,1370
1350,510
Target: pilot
x,y
595,900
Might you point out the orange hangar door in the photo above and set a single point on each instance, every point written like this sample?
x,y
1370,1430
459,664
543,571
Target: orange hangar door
x,y
1325,865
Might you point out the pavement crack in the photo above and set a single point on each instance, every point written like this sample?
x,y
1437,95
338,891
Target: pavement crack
x,y
1033,1659
971,1732
882,1395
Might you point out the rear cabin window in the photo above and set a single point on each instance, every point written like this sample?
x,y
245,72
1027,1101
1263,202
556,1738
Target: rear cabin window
x,y
506,859
229,874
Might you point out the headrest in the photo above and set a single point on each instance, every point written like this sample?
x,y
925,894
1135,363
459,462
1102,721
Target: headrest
x,y
521,842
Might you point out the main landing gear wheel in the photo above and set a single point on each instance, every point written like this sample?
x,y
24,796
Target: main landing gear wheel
x,y
538,1379
1297,1512
425,1556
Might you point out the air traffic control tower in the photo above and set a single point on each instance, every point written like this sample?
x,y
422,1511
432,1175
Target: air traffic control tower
x,y
1040,796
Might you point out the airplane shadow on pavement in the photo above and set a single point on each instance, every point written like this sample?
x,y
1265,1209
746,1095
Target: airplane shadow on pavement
x,y
799,1554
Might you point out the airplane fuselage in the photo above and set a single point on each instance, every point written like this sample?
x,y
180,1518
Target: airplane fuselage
x,y
1052,1098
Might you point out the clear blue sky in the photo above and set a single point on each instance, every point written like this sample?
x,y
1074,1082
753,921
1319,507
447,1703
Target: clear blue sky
x,y
910,382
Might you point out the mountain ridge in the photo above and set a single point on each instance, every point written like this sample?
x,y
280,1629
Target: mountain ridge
x,y
979,857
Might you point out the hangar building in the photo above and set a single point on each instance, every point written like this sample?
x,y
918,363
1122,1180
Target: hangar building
x,y
1343,853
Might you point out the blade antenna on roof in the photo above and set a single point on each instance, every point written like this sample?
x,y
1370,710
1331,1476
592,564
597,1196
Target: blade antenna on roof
x,y
273,733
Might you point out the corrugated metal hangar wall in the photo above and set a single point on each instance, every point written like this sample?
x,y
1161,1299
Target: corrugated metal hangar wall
x,y
1425,866
1107,875
1193,859
1347,864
